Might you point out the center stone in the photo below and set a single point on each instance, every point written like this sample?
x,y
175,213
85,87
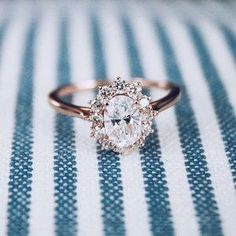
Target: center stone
x,y
122,121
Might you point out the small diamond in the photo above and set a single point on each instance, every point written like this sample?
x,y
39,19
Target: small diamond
x,y
144,102
96,117
97,104
119,84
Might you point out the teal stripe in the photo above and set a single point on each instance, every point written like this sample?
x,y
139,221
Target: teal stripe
x,y
223,109
20,178
108,161
230,39
152,166
3,30
65,170
198,174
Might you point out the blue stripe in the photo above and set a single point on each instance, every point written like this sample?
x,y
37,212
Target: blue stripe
x,y
3,30
20,179
223,109
195,160
152,165
108,161
230,39
65,170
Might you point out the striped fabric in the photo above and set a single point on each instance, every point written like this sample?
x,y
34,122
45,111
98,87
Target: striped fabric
x,y
56,180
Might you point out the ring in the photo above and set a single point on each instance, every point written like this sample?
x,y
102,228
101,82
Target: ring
x,y
121,115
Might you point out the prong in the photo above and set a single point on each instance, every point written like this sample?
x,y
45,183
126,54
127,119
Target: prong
x,y
92,134
155,113
139,83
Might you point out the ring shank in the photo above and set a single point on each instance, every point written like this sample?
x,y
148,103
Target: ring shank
x,y
66,108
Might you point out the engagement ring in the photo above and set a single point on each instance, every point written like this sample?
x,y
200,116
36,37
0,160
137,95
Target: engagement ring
x,y
121,115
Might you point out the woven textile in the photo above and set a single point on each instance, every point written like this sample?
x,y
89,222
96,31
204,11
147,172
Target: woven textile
x,y
56,180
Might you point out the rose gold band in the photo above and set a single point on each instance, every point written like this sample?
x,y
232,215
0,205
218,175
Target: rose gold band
x,y
55,97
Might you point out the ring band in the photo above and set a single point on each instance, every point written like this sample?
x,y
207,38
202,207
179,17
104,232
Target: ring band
x,y
55,97
119,108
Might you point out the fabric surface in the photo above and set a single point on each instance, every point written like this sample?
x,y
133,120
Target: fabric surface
x,y
55,179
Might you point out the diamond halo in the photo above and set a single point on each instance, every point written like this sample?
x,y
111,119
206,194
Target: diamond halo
x,y
121,116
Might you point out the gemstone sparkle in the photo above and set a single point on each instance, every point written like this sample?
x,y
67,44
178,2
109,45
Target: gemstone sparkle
x,y
122,121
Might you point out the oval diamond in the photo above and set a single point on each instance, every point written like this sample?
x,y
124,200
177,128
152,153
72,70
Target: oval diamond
x,y
122,121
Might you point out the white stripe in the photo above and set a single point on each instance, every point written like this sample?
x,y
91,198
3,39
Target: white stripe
x,y
81,52
179,194
89,207
42,208
113,43
224,63
136,216
11,57
210,134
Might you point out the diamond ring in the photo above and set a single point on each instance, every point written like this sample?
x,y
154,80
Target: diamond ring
x,y
121,115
